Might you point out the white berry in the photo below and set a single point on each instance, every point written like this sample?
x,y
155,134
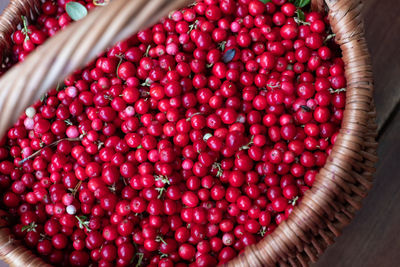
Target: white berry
x,y
30,112
71,209
207,136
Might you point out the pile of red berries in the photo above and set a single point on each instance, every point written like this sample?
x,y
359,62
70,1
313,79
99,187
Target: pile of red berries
x,y
179,146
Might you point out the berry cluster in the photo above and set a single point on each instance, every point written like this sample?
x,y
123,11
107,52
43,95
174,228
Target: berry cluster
x,y
53,17
179,146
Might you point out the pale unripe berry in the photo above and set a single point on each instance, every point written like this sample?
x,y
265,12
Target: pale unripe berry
x,y
207,136
71,209
30,112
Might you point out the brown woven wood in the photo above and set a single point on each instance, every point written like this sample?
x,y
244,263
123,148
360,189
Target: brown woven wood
x,y
12,251
11,18
340,185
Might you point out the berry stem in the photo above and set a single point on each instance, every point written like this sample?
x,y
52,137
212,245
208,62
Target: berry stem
x,y
160,239
121,59
146,54
140,259
161,191
75,189
162,178
217,166
332,91
294,201
83,222
329,37
262,231
52,144
25,29
247,146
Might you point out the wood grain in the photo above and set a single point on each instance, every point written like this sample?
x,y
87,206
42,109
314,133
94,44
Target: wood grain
x,y
382,23
372,239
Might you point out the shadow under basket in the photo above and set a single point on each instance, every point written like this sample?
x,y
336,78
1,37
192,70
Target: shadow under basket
x,y
340,185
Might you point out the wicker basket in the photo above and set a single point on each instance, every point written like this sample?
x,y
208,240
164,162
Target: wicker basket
x,y
340,185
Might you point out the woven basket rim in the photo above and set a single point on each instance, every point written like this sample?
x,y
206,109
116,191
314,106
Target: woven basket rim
x,y
340,185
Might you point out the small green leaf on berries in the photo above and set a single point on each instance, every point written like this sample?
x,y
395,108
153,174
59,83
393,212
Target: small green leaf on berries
x,y
329,37
265,1
301,3
75,10
300,18
30,227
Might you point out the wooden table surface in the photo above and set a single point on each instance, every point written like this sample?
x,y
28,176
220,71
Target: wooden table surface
x,y
372,238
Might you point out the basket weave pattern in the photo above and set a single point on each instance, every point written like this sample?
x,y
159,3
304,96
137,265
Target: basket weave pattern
x,y
340,185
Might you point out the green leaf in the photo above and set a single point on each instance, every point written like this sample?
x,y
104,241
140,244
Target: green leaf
x,y
329,37
300,15
301,3
30,227
265,1
300,19
75,11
